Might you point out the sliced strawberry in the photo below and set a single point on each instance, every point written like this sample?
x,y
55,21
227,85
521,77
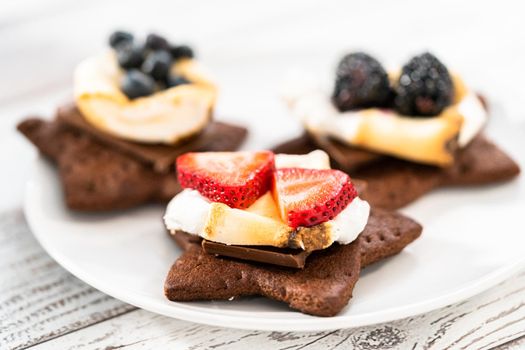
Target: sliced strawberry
x,y
307,197
233,178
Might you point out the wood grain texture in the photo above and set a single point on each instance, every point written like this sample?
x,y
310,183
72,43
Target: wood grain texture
x,y
515,344
38,299
483,322
44,307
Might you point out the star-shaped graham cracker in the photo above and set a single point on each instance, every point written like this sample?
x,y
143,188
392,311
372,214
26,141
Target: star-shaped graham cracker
x,y
394,183
100,173
322,288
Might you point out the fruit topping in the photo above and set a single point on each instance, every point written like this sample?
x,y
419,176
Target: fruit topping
x,y
137,84
174,80
120,37
307,197
130,55
424,87
154,57
360,82
157,65
182,51
156,42
234,178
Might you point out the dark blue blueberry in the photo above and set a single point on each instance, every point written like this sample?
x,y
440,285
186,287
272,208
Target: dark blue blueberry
x,y
137,84
157,64
130,55
182,51
157,42
120,37
174,80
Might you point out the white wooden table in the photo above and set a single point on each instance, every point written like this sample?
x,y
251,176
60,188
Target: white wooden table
x,y
44,307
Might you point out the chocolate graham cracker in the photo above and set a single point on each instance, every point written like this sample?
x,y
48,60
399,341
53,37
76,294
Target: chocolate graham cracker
x,y
98,176
322,288
394,183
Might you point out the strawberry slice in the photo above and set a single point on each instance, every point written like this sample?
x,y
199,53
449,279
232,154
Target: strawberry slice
x,y
233,178
307,197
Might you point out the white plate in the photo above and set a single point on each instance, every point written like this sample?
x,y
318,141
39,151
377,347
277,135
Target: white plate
x,y
471,241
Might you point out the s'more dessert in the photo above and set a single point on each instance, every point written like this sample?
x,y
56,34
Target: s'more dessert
x,y
286,227
137,106
405,131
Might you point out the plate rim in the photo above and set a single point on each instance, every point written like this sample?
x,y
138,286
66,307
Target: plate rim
x,y
237,319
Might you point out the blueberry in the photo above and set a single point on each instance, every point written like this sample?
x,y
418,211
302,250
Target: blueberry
x,y
174,80
130,55
137,84
157,64
156,42
182,51
119,37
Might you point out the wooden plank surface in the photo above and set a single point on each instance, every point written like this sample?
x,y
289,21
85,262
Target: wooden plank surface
x,y
38,299
43,305
489,319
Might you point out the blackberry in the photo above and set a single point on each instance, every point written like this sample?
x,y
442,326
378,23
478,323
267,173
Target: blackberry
x,y
424,88
360,82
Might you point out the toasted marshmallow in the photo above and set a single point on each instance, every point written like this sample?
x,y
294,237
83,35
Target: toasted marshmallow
x,y
423,140
474,115
261,223
314,160
168,116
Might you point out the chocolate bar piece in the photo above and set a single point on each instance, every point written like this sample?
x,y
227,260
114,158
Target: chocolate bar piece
x,y
295,258
184,240
345,157
161,157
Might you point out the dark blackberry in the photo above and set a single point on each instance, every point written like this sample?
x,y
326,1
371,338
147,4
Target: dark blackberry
x,y
360,82
424,88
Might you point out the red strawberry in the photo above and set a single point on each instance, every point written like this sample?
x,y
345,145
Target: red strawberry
x,y
307,197
233,178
